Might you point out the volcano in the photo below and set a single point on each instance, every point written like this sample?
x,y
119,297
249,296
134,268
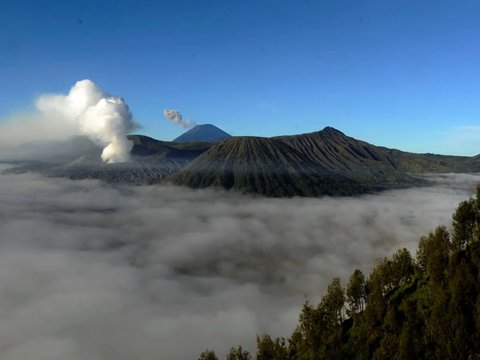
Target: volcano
x,y
325,162
205,132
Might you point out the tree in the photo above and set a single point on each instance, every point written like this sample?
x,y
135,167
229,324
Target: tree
x,y
333,301
267,349
402,268
237,353
307,339
331,315
433,254
208,355
464,223
355,293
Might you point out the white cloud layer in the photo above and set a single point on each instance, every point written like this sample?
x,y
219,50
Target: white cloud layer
x,y
90,271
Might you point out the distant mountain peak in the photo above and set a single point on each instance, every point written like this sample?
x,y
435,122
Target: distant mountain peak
x,y
204,132
328,130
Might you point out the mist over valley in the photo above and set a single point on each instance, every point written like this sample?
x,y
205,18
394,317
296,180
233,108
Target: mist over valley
x,y
100,271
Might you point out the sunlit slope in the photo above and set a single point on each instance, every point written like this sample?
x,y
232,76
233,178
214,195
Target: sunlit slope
x,y
355,159
432,163
366,162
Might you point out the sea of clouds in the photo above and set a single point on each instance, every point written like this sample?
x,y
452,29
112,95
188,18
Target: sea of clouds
x,y
92,271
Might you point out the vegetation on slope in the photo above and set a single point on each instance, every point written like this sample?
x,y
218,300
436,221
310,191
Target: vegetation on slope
x,y
341,154
422,307
263,166
325,162
368,163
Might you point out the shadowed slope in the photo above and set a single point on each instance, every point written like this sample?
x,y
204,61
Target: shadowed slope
x,y
265,166
149,149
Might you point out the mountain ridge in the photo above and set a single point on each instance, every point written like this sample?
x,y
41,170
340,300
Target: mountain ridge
x,y
262,165
325,162
327,152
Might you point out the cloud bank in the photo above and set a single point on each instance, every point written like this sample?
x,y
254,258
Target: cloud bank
x,y
85,110
175,117
90,271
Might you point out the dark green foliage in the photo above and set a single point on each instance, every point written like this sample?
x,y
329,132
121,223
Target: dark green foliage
x,y
208,355
402,268
356,293
422,308
466,223
268,349
237,353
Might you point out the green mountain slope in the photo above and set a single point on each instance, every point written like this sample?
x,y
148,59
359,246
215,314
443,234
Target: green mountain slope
x,y
259,165
265,166
325,162
432,163
341,154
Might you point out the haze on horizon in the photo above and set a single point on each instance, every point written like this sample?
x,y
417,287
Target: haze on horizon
x,y
401,74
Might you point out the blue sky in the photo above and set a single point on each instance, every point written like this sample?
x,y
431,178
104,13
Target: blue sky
x,y
402,74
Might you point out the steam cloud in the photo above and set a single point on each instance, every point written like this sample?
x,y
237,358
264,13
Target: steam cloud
x,y
90,271
105,119
85,110
175,117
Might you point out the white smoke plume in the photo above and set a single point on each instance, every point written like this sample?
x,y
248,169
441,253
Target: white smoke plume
x,y
104,118
175,117
85,110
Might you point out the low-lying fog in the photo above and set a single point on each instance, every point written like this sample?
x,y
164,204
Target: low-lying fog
x,y
91,271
